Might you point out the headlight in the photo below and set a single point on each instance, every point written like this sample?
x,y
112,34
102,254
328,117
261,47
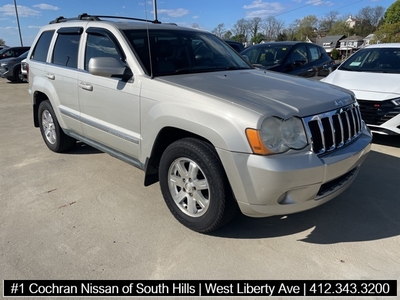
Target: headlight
x,y
277,136
396,101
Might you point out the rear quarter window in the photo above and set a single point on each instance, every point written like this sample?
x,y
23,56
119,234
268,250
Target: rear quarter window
x,y
42,46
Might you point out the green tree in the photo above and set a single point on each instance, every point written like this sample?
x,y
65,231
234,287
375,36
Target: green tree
x,y
335,54
227,35
306,27
341,27
258,38
282,37
388,33
2,42
239,38
392,14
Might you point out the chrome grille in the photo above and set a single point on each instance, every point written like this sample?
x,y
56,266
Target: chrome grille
x,y
332,130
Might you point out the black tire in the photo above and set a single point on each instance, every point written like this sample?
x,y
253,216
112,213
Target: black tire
x,y
53,135
18,74
191,171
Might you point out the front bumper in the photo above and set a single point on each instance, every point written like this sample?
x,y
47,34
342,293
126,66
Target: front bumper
x,y
292,182
4,72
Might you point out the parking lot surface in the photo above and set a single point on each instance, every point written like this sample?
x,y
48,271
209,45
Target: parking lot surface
x,y
86,215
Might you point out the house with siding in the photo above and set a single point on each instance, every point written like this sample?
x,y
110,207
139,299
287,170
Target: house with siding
x,y
330,42
350,45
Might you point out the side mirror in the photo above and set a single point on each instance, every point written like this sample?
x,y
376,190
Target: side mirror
x,y
246,58
109,67
288,67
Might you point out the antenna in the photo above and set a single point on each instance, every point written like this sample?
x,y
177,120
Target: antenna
x,y
155,10
148,38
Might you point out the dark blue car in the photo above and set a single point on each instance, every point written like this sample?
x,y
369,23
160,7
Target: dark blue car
x,y
296,58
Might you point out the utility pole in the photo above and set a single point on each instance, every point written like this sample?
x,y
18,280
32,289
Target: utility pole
x,y
19,27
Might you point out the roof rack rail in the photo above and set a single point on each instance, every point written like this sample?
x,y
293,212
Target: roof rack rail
x,y
87,17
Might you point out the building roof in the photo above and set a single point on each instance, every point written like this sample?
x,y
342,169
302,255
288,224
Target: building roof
x,y
330,39
354,38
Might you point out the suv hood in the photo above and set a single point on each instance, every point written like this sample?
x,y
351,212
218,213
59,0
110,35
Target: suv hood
x,y
367,86
265,92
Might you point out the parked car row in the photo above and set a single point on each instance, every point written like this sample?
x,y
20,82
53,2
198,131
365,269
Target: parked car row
x,y
10,63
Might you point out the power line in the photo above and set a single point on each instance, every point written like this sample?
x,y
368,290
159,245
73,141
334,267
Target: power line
x,y
297,8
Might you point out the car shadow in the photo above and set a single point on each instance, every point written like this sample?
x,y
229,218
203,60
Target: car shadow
x,y
82,148
367,210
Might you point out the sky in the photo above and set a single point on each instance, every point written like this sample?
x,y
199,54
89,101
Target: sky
x,y
207,14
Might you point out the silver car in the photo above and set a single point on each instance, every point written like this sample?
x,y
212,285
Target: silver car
x,y
184,107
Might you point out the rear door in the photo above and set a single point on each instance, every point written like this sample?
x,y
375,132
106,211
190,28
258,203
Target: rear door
x,y
61,74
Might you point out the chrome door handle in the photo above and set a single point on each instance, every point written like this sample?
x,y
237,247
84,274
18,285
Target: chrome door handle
x,y
86,86
50,76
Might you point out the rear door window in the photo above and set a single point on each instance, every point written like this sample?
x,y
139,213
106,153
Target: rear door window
x,y
66,47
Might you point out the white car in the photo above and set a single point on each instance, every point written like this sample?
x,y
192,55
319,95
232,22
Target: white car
x,y
373,74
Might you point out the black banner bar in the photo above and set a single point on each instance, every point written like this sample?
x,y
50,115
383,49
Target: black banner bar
x,y
198,288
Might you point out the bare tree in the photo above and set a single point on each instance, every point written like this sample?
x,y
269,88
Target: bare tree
x,y
254,26
371,16
241,29
195,25
272,28
219,31
328,21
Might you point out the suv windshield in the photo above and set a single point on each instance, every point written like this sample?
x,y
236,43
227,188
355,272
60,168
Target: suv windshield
x,y
375,60
182,52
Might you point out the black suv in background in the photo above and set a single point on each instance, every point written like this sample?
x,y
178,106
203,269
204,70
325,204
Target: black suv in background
x,y
296,58
12,52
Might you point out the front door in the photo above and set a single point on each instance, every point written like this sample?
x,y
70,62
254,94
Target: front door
x,y
109,106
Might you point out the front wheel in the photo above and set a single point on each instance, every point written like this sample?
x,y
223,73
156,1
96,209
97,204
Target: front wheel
x,y
194,185
53,135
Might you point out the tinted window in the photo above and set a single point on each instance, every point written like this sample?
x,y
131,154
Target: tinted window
x,y
299,55
66,50
315,52
99,46
267,55
181,51
42,46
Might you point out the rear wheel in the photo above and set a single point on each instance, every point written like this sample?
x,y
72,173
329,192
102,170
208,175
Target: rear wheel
x,y
194,185
54,137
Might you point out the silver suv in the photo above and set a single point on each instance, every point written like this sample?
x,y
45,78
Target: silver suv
x,y
184,107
